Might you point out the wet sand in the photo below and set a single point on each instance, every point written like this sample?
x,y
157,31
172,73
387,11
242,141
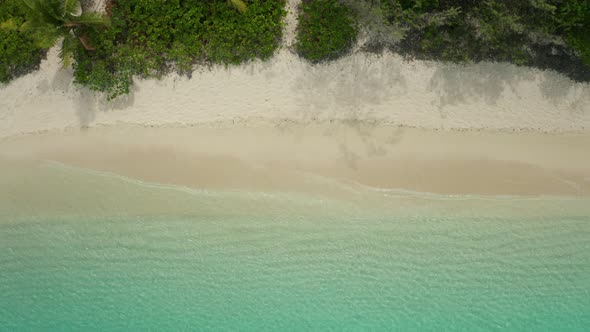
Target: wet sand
x,y
286,156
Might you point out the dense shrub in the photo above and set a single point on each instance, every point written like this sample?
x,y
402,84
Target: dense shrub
x,y
152,38
574,22
326,30
540,33
551,34
18,54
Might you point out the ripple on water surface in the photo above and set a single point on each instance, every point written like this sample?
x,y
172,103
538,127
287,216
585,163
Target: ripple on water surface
x,y
94,252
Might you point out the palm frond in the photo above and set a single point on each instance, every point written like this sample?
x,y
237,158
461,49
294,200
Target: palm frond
x,y
29,5
91,19
71,7
68,47
48,11
33,27
49,20
8,25
44,35
240,5
52,8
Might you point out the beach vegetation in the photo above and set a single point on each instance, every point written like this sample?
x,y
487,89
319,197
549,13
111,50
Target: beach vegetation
x,y
240,5
152,38
48,21
326,30
574,20
148,39
18,52
547,34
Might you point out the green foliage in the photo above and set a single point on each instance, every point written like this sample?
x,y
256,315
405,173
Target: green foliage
x,y
49,20
326,30
150,38
574,20
234,38
240,5
551,34
18,53
486,30
581,43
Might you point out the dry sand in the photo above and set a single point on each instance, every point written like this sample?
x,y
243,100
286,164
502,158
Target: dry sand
x,y
359,87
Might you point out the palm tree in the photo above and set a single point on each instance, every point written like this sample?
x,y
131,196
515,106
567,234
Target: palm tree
x,y
240,5
49,20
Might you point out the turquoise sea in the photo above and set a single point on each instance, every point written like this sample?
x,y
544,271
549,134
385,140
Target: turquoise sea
x,y
86,251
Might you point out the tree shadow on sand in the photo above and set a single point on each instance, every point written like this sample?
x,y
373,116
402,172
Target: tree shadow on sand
x,y
373,144
349,86
456,84
88,103
562,91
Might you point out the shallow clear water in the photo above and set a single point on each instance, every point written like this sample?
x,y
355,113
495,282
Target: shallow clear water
x,y
93,252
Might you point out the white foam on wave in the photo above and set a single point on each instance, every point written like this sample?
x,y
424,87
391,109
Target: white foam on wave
x,y
345,185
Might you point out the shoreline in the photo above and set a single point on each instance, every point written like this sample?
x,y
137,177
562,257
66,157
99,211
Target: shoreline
x,y
290,158
484,129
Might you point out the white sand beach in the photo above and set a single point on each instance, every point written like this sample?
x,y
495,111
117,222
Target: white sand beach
x,y
380,88
359,194
376,120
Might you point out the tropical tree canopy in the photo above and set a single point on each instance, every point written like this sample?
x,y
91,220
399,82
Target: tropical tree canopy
x,y
49,20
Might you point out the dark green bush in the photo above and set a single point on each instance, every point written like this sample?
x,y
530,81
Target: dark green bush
x,y
153,38
573,20
18,54
326,30
548,34
233,38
